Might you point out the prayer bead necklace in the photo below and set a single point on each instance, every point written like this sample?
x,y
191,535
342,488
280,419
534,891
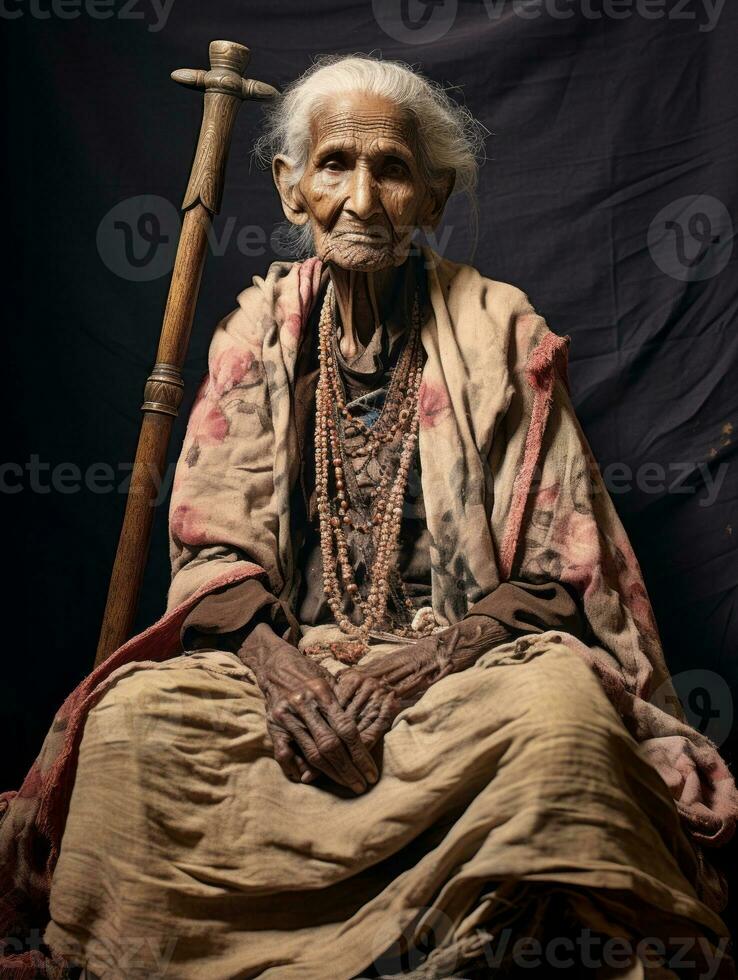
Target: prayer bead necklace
x,y
398,419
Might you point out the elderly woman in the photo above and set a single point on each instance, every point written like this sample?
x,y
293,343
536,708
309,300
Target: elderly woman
x,y
423,713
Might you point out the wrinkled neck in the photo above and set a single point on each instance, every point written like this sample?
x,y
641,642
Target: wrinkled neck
x,y
365,300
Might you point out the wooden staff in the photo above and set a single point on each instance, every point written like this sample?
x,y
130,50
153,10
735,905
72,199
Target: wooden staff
x,y
225,88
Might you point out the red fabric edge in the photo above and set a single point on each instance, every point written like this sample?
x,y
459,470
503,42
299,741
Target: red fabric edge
x,y
545,361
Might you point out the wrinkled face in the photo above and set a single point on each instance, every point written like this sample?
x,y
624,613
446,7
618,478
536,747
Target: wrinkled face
x,y
361,191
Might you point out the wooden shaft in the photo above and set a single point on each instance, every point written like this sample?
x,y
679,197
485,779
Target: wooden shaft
x,y
225,89
133,547
184,288
163,394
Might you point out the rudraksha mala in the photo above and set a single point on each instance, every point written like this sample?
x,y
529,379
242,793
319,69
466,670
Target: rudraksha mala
x,y
334,422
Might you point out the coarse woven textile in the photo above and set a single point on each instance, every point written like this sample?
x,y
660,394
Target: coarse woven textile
x,y
210,863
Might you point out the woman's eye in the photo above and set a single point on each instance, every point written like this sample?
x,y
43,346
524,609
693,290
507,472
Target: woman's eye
x,y
395,169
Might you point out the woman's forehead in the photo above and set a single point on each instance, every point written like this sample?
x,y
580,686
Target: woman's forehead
x,y
361,116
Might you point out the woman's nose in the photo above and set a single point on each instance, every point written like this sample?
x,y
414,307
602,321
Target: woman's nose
x,y
364,200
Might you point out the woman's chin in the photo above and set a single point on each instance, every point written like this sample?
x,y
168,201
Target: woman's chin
x,y
360,257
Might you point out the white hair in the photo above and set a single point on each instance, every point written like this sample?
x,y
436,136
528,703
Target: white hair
x,y
449,138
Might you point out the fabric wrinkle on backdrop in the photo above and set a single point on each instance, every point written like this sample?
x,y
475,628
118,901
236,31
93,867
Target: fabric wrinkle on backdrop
x,y
608,197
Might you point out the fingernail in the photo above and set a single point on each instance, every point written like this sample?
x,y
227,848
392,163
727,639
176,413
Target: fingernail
x,y
307,777
358,787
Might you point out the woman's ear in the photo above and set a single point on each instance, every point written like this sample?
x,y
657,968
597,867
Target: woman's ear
x,y
436,199
292,201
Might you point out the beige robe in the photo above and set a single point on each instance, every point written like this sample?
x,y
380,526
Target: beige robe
x,y
188,854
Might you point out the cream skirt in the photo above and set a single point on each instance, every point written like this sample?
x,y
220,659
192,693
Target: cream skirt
x,y
508,788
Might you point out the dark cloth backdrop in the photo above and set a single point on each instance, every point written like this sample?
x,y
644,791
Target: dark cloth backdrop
x,y
607,196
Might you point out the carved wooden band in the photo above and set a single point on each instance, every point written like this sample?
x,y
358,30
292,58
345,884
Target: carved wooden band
x,y
164,390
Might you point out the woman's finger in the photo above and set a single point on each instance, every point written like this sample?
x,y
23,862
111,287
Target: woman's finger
x,y
285,754
348,684
307,773
351,746
380,724
333,732
305,740
364,691
369,714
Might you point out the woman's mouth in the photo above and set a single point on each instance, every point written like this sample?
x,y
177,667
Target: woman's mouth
x,y
364,236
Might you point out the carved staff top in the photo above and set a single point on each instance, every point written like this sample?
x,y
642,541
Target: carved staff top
x,y
225,88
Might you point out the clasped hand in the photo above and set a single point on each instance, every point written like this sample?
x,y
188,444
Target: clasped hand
x,y
320,723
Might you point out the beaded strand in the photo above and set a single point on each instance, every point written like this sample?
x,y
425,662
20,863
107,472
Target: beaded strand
x,y
399,418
